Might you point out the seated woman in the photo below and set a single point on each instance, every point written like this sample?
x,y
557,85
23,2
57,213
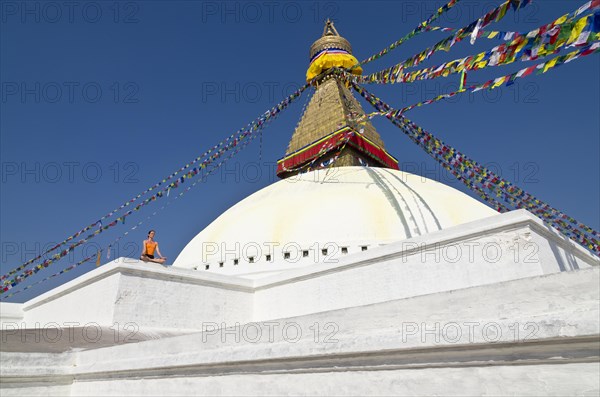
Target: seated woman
x,y
149,247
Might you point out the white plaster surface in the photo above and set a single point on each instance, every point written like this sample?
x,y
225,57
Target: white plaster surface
x,y
374,350
94,303
11,311
36,389
169,303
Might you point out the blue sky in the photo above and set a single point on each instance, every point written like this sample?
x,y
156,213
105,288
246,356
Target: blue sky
x,y
102,99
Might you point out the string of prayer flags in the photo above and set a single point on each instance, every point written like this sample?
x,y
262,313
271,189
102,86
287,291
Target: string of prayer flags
x,y
127,203
479,178
257,124
89,258
510,78
36,269
423,26
217,149
394,72
537,43
486,34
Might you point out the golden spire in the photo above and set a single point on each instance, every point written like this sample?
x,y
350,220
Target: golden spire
x,y
333,115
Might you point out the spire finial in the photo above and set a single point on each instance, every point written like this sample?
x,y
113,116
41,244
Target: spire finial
x,y
330,39
329,29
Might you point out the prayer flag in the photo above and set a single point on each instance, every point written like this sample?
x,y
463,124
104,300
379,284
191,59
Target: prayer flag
x,y
463,79
476,31
577,29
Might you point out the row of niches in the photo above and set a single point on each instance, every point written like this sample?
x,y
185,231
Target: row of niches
x,y
300,256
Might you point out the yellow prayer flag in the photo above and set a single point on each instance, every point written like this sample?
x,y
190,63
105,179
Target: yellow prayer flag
x,y
502,11
561,20
549,64
570,56
493,34
498,82
577,29
98,258
521,45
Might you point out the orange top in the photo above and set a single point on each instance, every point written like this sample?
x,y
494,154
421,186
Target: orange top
x,y
150,247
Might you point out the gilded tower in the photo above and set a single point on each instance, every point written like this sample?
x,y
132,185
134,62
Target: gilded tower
x,y
334,130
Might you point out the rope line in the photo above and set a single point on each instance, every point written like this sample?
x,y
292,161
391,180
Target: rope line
x,y
579,232
258,124
419,29
472,29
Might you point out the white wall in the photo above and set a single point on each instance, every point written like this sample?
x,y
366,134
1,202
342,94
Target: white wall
x,y
370,354
127,291
86,302
514,246
167,302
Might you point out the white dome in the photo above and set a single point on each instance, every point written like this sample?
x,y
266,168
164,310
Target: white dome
x,y
317,216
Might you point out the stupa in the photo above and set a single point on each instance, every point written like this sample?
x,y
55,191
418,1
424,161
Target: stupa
x,y
335,166
414,289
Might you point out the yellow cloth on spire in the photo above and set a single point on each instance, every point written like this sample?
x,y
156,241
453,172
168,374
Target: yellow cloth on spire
x,y
329,60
